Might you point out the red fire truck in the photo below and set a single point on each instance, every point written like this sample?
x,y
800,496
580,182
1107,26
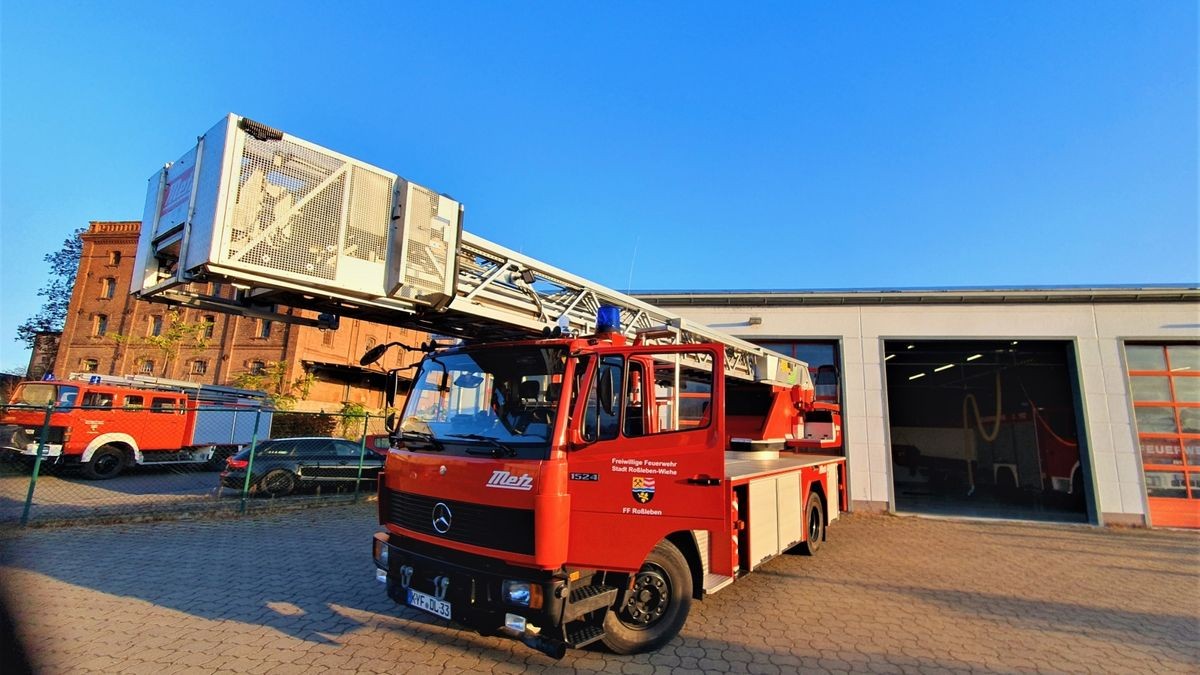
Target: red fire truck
x,y
103,424
574,465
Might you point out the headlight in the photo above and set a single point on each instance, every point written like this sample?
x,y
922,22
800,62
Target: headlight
x,y
522,593
381,553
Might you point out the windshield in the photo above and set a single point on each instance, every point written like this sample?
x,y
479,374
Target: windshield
x,y
40,394
500,401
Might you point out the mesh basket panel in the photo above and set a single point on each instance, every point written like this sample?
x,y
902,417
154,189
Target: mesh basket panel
x,y
426,261
291,204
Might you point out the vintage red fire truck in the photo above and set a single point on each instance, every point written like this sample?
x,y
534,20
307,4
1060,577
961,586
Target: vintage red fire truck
x,y
575,465
565,491
103,424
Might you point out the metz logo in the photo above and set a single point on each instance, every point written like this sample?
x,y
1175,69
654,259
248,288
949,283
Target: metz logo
x,y
506,481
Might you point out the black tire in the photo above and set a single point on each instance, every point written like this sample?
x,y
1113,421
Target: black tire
x,y
278,483
652,613
107,462
814,524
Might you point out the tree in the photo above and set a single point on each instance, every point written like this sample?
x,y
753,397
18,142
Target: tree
x,y
175,335
272,380
52,316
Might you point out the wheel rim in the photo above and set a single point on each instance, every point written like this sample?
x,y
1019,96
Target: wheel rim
x,y
107,463
277,483
648,600
814,525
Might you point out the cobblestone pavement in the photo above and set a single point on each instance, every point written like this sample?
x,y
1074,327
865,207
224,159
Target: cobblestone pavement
x,y
295,592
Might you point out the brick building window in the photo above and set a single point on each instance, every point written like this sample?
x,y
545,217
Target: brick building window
x,y
114,257
210,325
257,367
108,287
147,366
89,365
99,325
156,325
199,367
262,328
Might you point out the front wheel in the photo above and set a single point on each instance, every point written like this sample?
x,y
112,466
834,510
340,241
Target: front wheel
x,y
654,610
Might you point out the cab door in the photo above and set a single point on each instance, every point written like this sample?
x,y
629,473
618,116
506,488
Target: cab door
x,y
646,453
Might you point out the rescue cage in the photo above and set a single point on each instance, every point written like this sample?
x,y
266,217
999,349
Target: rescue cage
x,y
77,464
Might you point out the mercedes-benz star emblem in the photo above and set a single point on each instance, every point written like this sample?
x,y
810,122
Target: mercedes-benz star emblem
x,y
442,518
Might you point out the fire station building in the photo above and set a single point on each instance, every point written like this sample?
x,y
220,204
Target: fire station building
x,y
1064,404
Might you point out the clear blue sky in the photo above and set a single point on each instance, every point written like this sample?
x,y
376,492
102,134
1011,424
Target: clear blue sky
x,y
648,145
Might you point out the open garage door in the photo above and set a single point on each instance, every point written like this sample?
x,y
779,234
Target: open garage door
x,y
986,428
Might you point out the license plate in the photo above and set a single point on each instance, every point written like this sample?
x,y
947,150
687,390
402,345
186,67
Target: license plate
x,y
429,603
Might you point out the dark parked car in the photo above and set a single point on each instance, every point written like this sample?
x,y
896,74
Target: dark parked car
x,y
283,465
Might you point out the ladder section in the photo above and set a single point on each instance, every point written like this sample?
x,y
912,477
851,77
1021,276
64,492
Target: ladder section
x,y
290,223
208,393
497,283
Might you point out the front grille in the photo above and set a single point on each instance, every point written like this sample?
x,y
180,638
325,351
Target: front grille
x,y
494,527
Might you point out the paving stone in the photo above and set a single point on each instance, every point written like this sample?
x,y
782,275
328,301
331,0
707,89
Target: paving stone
x,y
295,593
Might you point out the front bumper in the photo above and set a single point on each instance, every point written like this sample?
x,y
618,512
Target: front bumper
x,y
25,441
475,594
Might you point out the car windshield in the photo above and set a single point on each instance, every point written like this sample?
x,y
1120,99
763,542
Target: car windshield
x,y
40,394
499,401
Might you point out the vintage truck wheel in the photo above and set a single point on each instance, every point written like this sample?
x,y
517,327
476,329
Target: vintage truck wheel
x,y
814,521
107,462
655,609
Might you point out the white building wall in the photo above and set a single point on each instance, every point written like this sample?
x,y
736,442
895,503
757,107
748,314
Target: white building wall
x,y
1097,331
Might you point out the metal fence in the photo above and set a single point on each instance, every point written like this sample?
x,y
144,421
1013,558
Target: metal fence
x,y
88,463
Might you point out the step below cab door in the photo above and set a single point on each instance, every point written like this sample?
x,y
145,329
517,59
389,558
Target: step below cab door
x,y
646,455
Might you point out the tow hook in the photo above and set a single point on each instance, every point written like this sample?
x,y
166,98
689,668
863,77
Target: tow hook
x,y
531,636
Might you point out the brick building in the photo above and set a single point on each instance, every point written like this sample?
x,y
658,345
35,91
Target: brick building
x,y
101,306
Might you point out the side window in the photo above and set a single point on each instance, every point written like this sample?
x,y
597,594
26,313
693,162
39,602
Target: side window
x,y
347,449
133,402
680,396
97,399
602,416
162,405
636,422
276,449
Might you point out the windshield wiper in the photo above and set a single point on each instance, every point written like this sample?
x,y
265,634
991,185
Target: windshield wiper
x,y
498,449
431,442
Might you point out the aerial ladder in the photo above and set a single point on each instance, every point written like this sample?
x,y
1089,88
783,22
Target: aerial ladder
x,y
290,223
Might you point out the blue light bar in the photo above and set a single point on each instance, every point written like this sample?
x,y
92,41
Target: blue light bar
x,y
608,319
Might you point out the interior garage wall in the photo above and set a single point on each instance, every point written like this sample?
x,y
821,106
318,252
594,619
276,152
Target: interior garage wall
x,y
1097,331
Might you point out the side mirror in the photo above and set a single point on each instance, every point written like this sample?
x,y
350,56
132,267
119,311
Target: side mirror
x,y
373,354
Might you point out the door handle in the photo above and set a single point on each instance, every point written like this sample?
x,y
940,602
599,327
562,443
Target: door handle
x,y
703,480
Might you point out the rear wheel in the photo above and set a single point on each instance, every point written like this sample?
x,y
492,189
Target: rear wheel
x,y
654,610
107,462
814,523
278,483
